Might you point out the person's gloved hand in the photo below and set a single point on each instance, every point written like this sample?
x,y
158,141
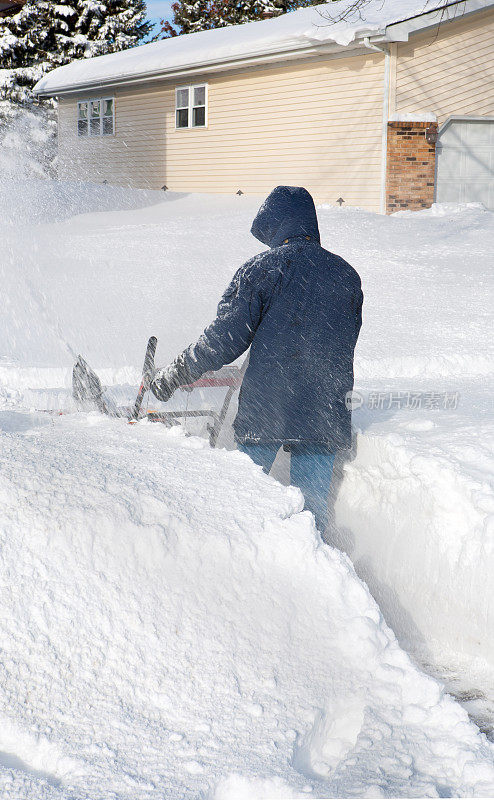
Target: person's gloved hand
x,y
163,383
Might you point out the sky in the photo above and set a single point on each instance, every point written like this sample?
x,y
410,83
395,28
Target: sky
x,y
159,9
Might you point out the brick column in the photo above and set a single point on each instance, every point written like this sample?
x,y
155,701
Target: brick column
x,y
410,167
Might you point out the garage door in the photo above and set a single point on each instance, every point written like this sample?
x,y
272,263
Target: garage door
x,y
465,163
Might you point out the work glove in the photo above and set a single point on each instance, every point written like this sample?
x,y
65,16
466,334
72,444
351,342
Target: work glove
x,y
164,382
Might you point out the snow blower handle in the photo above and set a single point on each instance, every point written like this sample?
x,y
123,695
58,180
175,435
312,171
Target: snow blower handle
x,y
147,375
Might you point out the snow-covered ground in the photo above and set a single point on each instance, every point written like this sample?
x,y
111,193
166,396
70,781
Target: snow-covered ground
x,y
171,624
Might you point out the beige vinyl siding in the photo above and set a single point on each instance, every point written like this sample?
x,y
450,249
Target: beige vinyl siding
x,y
449,70
316,123
134,156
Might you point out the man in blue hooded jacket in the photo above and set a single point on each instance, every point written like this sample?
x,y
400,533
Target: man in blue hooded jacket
x,y
299,308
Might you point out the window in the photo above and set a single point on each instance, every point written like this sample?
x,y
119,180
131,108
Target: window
x,y
82,126
191,105
107,117
96,117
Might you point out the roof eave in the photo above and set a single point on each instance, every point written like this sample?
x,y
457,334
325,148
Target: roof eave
x,y
400,31
396,32
213,65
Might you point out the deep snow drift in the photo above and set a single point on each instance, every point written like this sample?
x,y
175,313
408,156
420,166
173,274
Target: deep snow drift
x,y
172,626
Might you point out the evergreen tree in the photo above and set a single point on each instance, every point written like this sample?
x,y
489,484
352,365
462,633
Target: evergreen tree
x,y
107,26
199,15
43,35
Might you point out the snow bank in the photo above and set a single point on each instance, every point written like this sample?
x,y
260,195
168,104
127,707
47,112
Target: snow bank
x,y
180,630
27,201
417,507
443,210
301,28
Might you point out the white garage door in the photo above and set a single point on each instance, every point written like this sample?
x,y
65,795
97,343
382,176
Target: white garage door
x,y
465,163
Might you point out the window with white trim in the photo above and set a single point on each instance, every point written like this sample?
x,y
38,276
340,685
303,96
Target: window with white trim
x,y
191,106
96,117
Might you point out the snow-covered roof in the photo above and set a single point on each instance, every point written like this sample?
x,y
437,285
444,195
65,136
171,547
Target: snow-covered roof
x,y
326,24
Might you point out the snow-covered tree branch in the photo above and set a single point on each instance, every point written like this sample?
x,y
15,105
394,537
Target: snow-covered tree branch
x,y
43,35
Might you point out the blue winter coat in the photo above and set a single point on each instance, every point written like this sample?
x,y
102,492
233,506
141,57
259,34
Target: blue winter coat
x,y
299,308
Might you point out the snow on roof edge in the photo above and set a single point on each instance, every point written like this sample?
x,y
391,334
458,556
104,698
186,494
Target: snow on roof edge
x,y
296,31
180,69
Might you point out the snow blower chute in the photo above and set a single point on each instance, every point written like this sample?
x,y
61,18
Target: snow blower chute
x,y
87,391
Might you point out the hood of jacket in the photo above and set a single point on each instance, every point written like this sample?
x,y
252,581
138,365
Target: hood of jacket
x,y
286,213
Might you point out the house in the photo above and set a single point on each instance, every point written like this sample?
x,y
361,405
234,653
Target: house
x,y
389,109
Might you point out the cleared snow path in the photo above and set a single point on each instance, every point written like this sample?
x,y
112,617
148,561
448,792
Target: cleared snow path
x,y
172,626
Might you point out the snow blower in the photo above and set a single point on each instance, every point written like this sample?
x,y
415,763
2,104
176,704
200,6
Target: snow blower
x,y
88,392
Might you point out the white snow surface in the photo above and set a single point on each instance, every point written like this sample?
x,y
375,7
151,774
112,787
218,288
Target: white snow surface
x,y
338,23
419,116
171,623
170,619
